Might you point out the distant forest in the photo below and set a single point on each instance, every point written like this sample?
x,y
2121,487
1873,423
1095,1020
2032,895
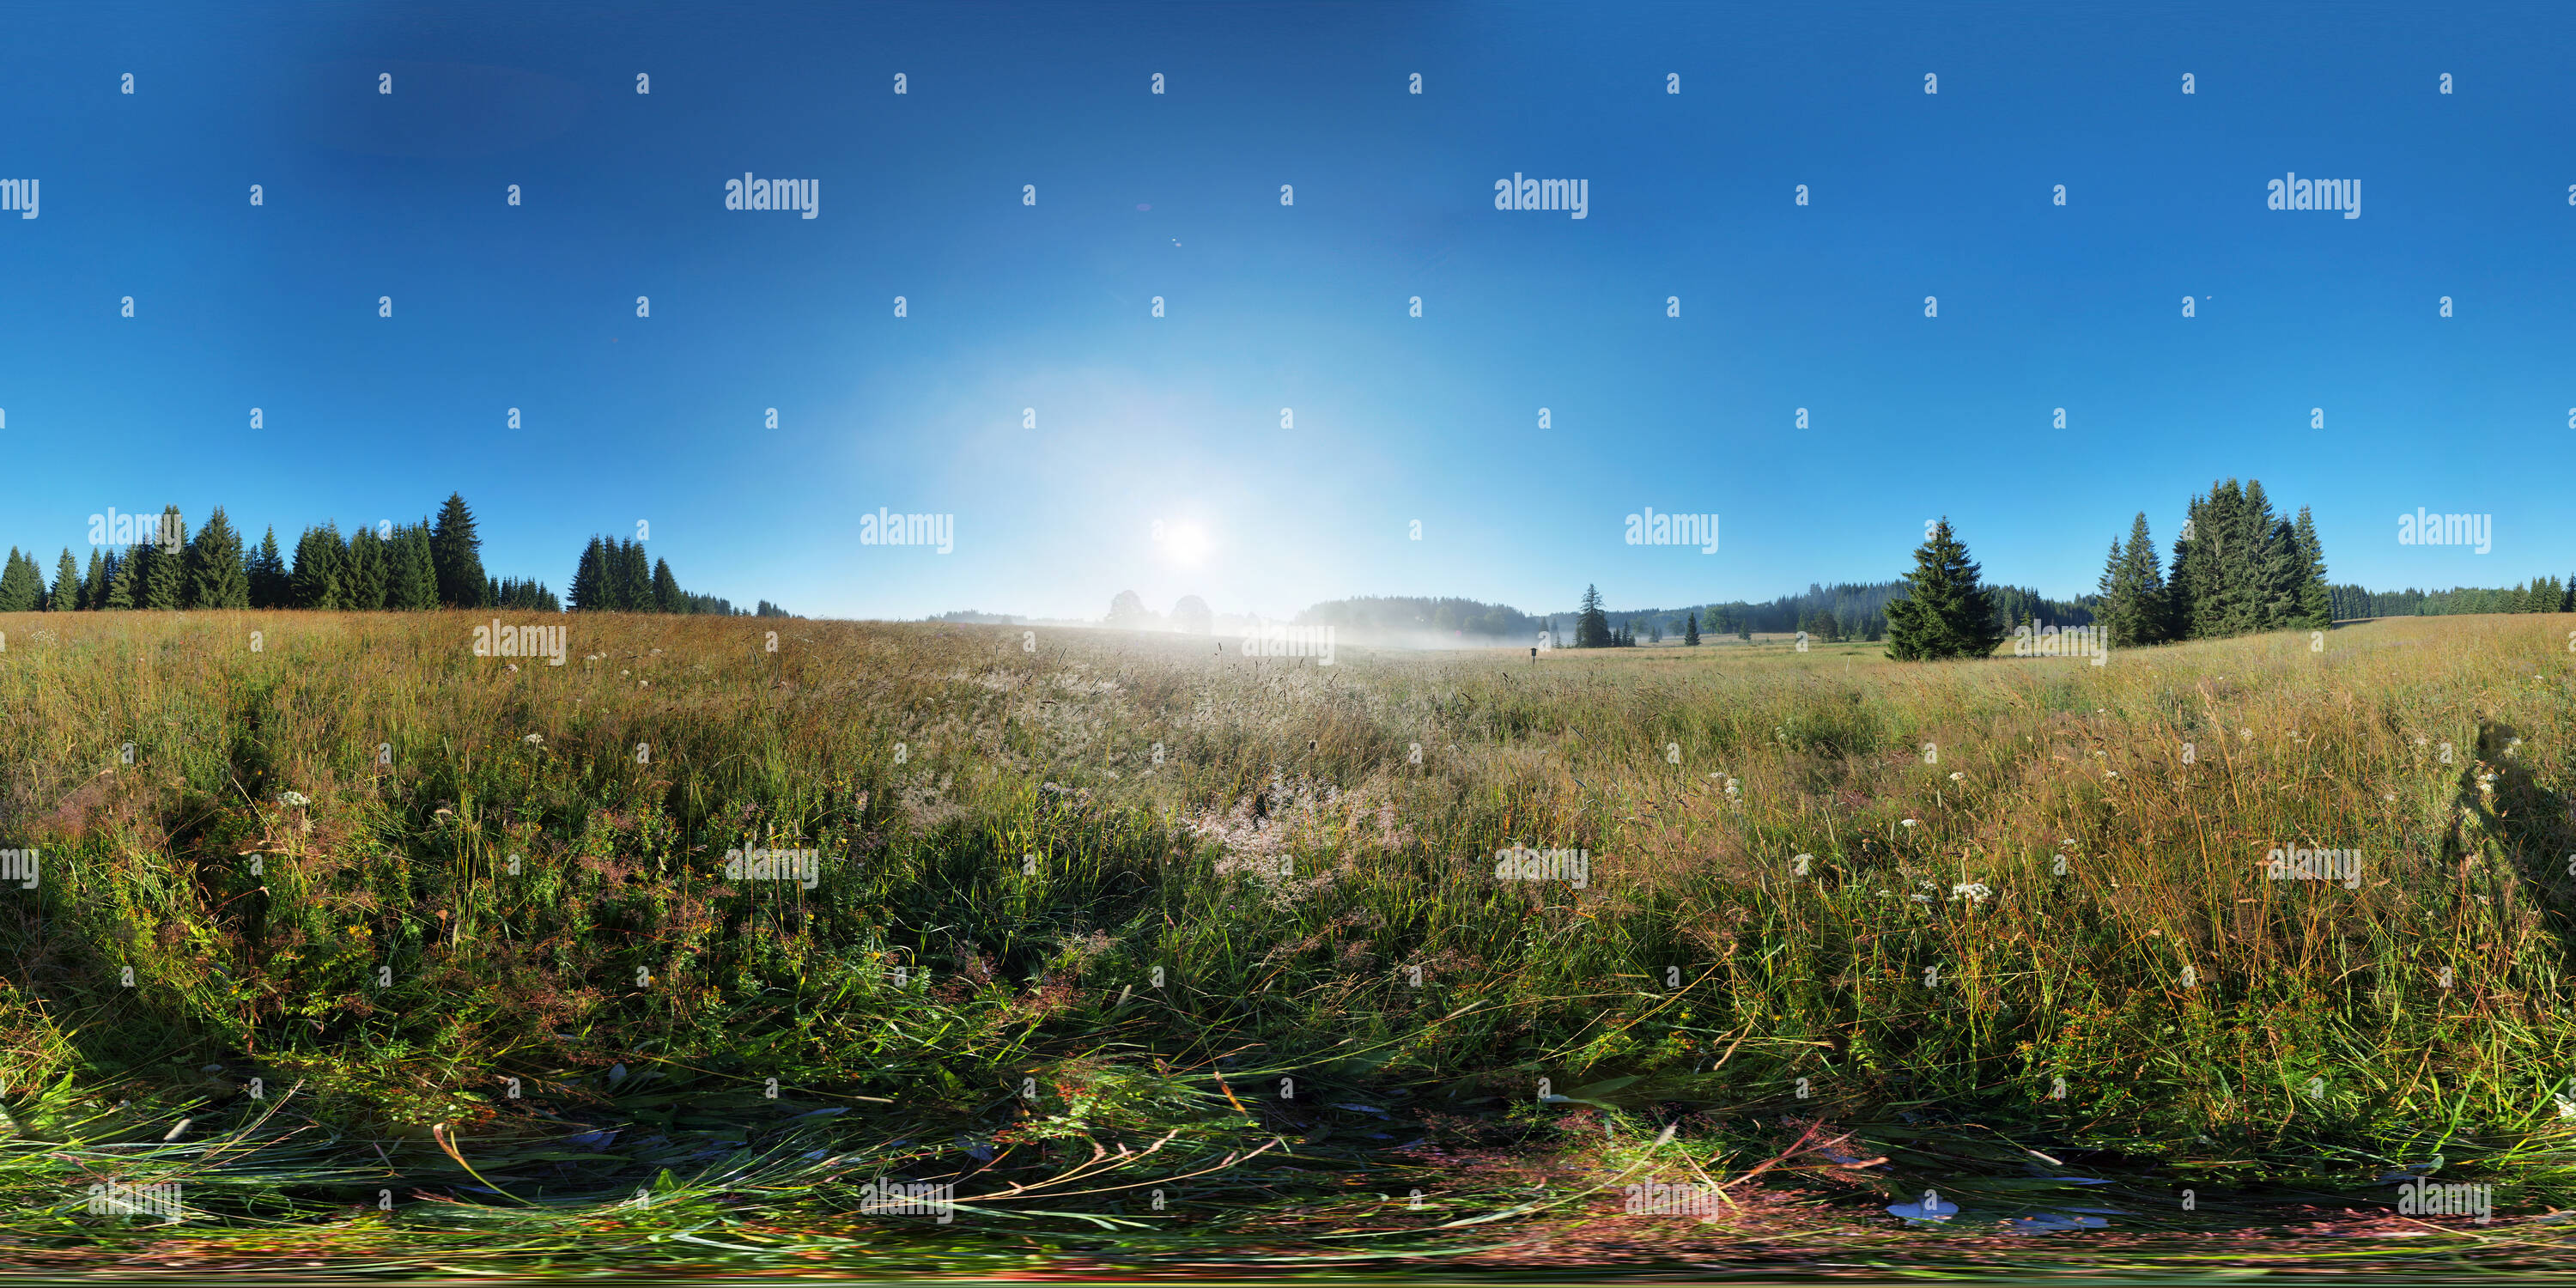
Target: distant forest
x,y
1844,611
153,562
1411,613
2539,595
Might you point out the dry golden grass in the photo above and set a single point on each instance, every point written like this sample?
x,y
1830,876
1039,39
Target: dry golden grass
x,y
2015,872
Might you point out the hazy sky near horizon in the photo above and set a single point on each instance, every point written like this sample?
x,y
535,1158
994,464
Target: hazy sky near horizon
x,y
1014,307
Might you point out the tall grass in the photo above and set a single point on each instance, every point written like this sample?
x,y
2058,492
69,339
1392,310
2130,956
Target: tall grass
x,y
362,863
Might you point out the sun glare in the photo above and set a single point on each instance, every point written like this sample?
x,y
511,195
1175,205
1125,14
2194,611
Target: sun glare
x,y
1186,544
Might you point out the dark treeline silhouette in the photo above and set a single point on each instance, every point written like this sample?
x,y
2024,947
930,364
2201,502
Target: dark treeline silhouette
x,y
612,578
413,566
1845,611
2539,595
1400,613
1842,611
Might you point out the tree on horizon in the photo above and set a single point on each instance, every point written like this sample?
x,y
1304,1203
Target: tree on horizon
x,y
2133,590
1945,612
1591,625
267,575
165,578
456,555
216,576
67,585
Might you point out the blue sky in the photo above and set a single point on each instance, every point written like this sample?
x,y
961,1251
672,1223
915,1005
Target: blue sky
x,y
1396,418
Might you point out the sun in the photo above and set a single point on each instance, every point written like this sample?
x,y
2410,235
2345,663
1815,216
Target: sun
x,y
1186,544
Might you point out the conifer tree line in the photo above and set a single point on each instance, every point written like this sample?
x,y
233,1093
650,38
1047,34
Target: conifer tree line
x,y
612,577
1851,611
1401,613
430,564
415,566
2236,568
2539,595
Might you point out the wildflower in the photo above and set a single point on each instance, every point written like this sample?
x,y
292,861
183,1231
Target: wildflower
x,y
2110,773
1734,787
1956,776
2245,733
1973,892
1909,822
295,800
534,740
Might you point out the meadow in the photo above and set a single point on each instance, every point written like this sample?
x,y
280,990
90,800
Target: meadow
x,y
389,954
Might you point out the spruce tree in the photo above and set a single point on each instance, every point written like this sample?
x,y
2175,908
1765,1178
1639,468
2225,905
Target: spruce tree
x,y
141,556
666,589
2236,549
2315,599
267,575
19,586
164,587
1591,625
456,556
93,592
2190,592
2230,561
364,574
411,581
121,589
66,596
216,578
2274,593
320,564
35,579
1945,612
2134,609
635,580
590,579
2107,589
1690,628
